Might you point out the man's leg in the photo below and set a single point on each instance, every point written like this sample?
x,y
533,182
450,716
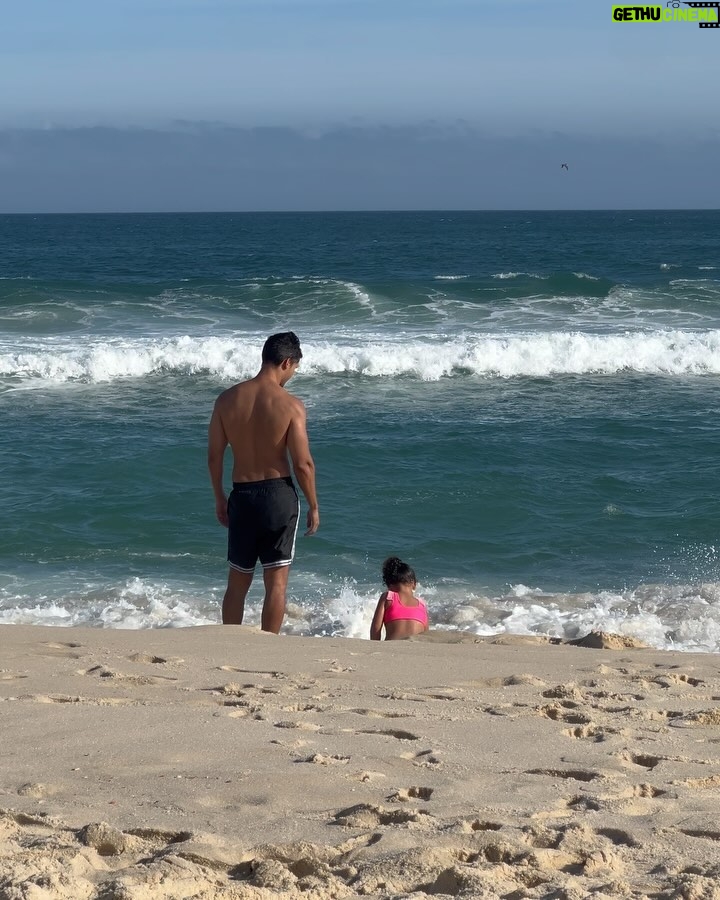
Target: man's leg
x,y
273,613
233,606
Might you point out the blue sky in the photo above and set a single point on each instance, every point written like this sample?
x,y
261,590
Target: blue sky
x,y
529,70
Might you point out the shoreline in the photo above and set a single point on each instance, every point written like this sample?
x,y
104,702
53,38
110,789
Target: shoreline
x,y
219,761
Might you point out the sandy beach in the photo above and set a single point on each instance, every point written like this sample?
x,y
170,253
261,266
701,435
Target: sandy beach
x,y
223,762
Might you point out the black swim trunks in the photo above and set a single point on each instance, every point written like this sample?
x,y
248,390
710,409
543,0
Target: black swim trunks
x,y
263,520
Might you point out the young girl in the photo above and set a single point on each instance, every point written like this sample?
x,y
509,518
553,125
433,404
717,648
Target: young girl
x,y
399,610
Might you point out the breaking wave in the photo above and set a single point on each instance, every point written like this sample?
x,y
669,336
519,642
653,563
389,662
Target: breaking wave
x,y
428,358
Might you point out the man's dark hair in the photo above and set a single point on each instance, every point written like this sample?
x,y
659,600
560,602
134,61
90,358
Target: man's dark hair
x,y
395,571
282,346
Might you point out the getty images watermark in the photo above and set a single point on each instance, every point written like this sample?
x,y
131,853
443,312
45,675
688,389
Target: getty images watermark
x,y
707,15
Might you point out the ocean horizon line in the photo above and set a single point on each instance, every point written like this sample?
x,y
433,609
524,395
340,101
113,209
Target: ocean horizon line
x,y
377,211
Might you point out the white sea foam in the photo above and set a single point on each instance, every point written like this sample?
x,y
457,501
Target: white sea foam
x,y
535,354
101,361
450,277
679,617
669,617
504,275
427,358
139,603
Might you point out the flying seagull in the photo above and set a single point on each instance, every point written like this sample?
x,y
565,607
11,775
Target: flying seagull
x,y
564,166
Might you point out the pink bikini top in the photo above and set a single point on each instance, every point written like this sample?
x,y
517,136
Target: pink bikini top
x,y
396,610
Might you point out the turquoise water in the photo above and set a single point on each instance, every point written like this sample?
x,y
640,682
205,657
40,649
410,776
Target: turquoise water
x,y
522,405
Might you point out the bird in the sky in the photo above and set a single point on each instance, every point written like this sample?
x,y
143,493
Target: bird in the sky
x,y
564,166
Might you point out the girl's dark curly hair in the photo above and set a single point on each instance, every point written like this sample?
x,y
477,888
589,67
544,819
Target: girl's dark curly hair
x,y
395,571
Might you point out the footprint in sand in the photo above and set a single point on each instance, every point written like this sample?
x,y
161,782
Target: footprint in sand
x,y
402,695
564,692
37,790
89,701
121,678
509,681
712,781
672,679
40,820
239,703
427,758
443,694
335,667
303,726
321,759
640,759
230,689
262,673
379,714
404,795
559,713
367,777
587,804
591,732
393,733
239,709
642,790
292,745
618,836
633,801
63,649
302,707
509,710
161,837
152,660
697,718
51,698
471,826
365,815
659,715
701,833
614,695
572,774
568,836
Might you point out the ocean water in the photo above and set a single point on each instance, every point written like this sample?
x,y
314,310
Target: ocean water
x,y
524,406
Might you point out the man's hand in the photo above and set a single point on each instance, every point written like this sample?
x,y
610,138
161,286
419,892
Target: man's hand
x,y
313,521
221,511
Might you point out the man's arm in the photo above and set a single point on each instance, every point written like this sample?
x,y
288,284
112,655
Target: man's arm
x,y
217,442
298,447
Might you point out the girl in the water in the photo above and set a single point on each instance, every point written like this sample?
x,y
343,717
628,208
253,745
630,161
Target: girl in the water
x,y
399,611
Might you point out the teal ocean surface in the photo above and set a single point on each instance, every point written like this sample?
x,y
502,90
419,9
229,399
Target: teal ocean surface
x,y
521,405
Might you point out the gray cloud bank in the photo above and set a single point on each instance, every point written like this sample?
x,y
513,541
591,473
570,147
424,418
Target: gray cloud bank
x,y
197,167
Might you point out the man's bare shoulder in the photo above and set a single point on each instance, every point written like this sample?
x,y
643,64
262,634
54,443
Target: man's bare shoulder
x,y
233,394
297,404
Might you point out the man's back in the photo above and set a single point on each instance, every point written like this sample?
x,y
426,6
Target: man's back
x,y
256,416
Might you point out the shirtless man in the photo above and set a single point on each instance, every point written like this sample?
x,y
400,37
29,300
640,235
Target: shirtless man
x,y
263,424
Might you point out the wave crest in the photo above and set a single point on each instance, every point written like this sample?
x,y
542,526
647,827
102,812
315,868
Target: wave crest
x,y
537,354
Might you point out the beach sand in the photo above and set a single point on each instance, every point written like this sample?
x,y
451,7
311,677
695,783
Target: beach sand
x,y
223,762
